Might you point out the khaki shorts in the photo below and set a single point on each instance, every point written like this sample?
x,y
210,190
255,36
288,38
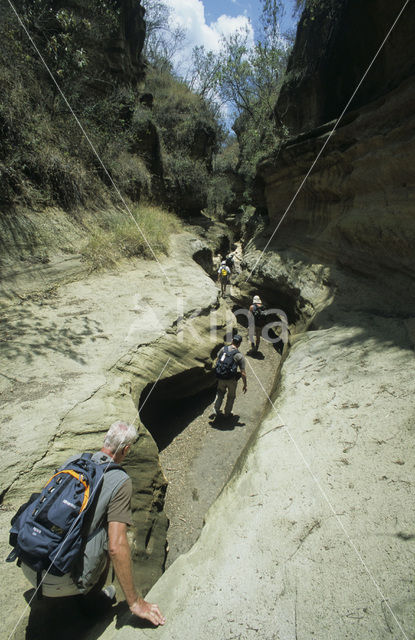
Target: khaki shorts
x,y
52,586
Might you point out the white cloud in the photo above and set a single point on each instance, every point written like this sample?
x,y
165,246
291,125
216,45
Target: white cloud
x,y
190,15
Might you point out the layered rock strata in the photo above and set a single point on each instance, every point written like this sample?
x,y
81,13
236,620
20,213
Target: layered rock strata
x,y
313,537
75,359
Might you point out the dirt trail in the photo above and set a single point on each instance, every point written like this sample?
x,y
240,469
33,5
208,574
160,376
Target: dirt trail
x,y
199,461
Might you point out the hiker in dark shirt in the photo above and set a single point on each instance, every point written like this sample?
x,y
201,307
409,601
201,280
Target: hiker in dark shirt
x,y
230,261
257,321
229,384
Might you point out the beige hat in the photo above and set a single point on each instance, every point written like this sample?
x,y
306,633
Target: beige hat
x,y
257,300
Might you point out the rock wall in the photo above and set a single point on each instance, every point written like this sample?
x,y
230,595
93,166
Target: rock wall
x,y
354,213
335,43
75,357
311,538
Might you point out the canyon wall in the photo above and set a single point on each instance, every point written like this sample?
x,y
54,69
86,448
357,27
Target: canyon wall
x,y
311,538
75,357
353,213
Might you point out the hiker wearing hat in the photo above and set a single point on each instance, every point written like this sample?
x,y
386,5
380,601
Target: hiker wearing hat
x,y
257,321
228,362
223,275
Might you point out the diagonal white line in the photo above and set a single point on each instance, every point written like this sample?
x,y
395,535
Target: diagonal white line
x,y
127,208
327,140
151,390
323,493
76,520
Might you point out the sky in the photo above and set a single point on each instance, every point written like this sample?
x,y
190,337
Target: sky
x,y
205,21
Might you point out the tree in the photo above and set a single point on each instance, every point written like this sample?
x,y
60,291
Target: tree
x,y
204,74
163,38
247,77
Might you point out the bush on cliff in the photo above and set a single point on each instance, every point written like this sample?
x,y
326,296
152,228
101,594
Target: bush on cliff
x,y
144,231
159,152
189,137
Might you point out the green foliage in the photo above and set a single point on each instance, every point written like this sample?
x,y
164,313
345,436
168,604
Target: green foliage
x,y
247,78
131,175
61,33
189,135
176,109
219,195
187,183
162,153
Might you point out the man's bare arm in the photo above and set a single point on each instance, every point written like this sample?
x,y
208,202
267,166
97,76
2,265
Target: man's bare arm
x,y
120,554
243,374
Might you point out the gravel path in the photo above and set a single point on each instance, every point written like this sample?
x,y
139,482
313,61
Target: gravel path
x,y
199,461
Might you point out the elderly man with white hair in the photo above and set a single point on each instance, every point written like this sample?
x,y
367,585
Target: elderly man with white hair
x,y
107,536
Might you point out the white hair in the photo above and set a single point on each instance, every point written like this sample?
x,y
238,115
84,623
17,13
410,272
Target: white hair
x,y
119,435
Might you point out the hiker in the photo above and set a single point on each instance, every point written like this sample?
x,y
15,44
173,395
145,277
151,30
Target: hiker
x,y
257,320
109,541
223,275
229,261
228,362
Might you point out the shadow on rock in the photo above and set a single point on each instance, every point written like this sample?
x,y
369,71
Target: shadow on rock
x,y
126,619
257,355
166,416
66,619
24,333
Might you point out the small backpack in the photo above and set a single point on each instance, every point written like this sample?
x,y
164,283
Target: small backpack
x,y
223,272
49,531
226,367
259,315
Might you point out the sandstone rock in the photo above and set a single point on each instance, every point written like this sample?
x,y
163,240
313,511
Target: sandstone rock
x,y
353,214
311,534
81,358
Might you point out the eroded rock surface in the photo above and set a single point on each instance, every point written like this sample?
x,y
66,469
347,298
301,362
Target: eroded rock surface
x,y
77,358
313,536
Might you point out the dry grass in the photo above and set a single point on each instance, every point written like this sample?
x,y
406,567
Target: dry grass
x,y
120,235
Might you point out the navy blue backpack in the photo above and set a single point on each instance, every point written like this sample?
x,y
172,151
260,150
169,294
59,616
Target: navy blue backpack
x,y
50,530
226,367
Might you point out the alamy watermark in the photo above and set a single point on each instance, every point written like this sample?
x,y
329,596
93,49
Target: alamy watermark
x,y
273,327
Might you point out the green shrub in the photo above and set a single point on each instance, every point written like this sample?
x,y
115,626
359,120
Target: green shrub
x,y
186,183
131,175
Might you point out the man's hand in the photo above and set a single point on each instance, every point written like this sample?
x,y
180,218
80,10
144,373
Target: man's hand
x,y
120,555
147,611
